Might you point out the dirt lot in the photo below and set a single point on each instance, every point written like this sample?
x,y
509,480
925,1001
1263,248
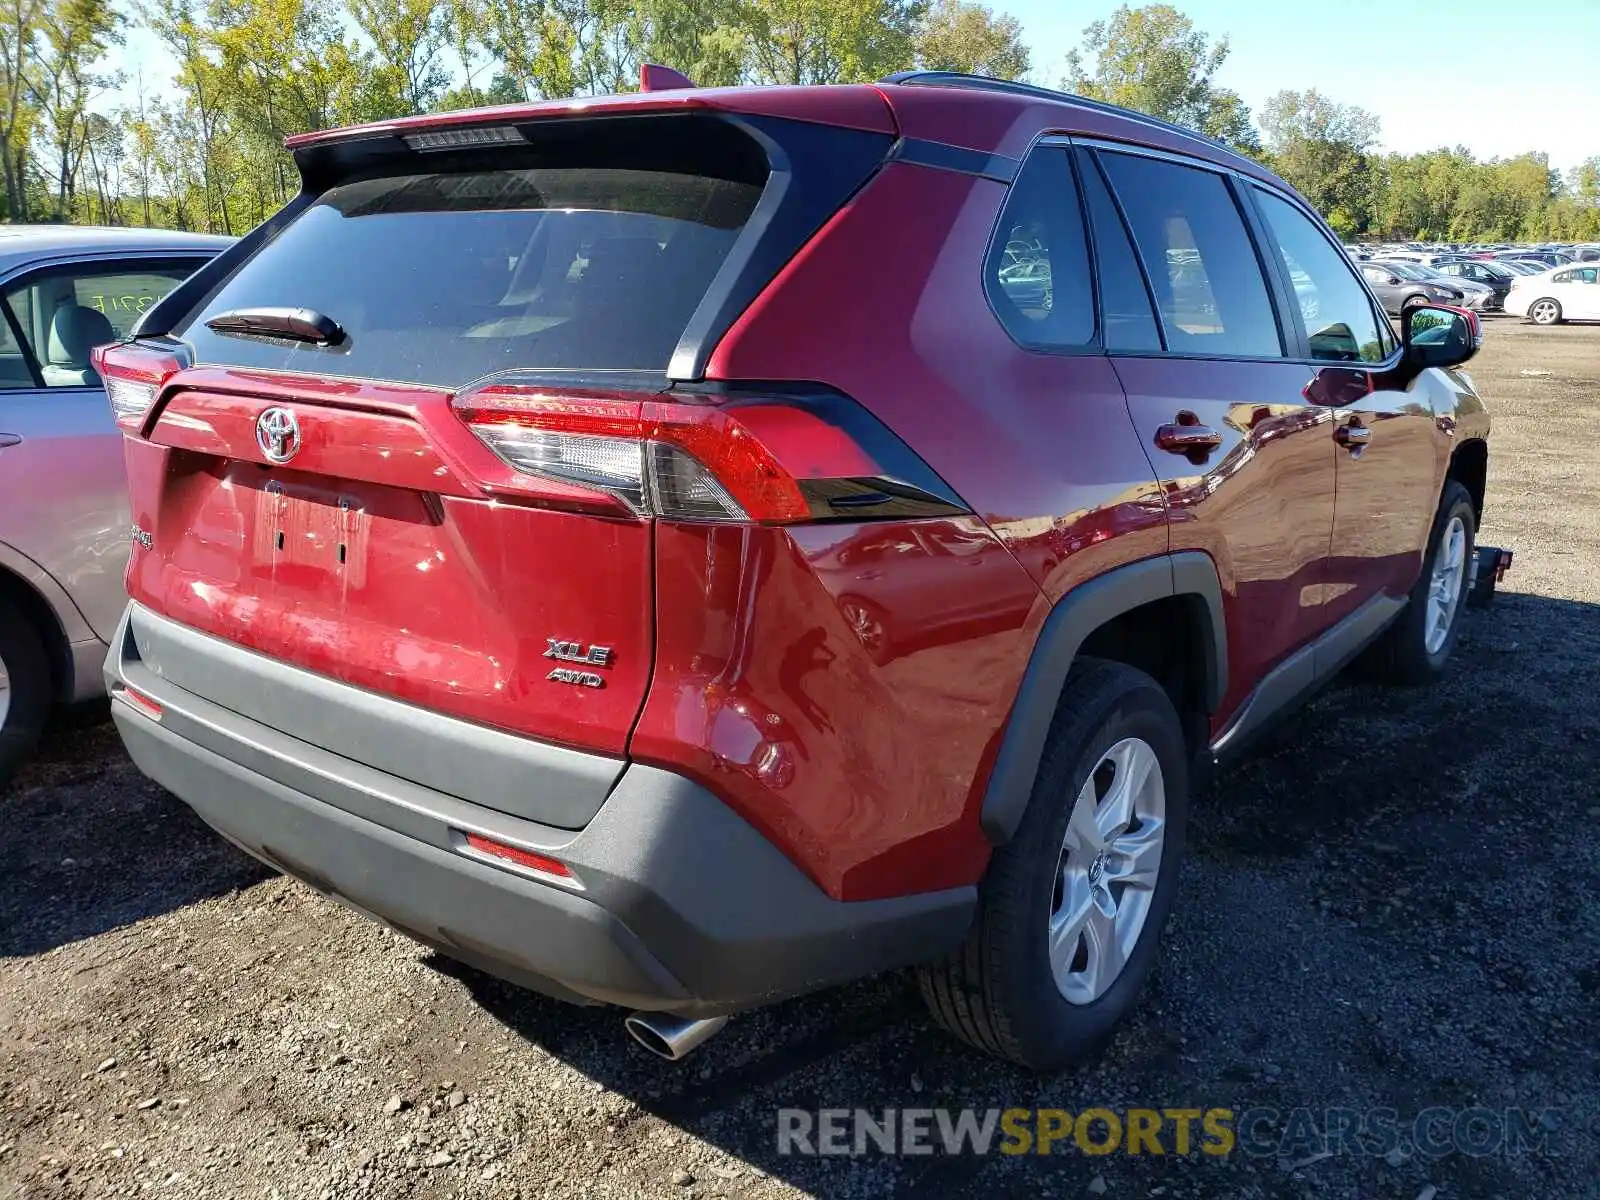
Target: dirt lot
x,y
1396,903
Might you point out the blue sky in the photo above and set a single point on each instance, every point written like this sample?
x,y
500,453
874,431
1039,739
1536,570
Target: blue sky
x,y
1498,76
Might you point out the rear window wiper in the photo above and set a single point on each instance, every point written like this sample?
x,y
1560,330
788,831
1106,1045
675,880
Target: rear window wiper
x,y
292,324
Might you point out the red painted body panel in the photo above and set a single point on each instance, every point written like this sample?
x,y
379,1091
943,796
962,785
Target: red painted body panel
x,y
1041,445
1387,493
1260,504
372,447
842,687
851,106
371,562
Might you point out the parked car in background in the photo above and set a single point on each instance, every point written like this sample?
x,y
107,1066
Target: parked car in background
x,y
1479,297
1490,276
1402,285
63,498
563,538
1544,259
1570,293
1517,267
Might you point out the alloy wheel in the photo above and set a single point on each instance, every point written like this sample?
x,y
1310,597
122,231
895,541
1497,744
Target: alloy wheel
x,y
1444,586
1544,312
1106,876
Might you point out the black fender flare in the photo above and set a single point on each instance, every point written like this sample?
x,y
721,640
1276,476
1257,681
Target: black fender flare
x,y
1075,616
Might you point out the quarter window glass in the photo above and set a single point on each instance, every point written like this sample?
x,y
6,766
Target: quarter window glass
x,y
1037,275
66,313
1333,304
1125,312
1208,283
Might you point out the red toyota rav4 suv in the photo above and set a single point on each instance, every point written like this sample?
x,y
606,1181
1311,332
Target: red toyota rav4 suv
x,y
688,549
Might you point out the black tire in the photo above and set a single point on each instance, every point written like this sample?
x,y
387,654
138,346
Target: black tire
x,y
27,702
997,992
1401,655
1554,304
1411,302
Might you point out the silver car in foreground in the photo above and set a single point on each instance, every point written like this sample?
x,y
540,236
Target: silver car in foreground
x,y
63,500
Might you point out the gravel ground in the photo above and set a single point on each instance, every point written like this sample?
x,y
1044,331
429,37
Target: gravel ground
x,y
1393,904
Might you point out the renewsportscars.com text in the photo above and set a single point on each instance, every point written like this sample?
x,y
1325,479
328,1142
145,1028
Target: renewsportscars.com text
x,y
1215,1132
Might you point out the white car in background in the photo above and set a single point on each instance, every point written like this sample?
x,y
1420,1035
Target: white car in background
x,y
1568,293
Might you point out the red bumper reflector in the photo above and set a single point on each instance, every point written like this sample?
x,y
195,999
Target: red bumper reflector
x,y
514,854
139,701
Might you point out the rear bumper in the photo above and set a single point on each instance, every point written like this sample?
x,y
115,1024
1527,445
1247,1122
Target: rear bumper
x,y
677,903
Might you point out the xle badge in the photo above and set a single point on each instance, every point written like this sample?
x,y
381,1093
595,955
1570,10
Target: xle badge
x,y
577,652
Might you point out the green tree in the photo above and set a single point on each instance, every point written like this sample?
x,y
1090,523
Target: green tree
x,y
74,36
199,121
19,38
826,41
410,38
557,48
957,35
502,89
1154,60
1585,182
1322,148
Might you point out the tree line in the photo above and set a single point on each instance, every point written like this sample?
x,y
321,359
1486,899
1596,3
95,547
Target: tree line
x,y
204,149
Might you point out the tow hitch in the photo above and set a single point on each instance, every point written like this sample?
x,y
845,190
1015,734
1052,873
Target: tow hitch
x,y
1489,567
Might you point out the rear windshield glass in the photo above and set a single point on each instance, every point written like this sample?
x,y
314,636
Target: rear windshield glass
x,y
442,278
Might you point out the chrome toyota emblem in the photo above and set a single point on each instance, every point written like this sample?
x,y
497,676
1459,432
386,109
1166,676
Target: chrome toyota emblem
x,y
278,434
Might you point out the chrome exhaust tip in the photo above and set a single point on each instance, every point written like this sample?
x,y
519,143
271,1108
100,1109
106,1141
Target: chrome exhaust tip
x,y
672,1038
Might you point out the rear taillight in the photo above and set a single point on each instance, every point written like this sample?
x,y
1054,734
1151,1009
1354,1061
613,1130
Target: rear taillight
x,y
133,376
770,458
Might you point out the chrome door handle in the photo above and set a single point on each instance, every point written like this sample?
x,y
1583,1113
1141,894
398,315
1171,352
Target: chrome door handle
x,y
10,439
1352,435
1187,439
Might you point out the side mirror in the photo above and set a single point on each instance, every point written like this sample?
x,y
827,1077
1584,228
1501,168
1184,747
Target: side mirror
x,y
1436,336
1394,281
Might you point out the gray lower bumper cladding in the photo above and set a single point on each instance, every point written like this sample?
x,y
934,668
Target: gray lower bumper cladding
x,y
676,904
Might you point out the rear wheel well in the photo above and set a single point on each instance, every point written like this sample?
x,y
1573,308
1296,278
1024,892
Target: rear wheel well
x,y
1165,639
21,596
1469,466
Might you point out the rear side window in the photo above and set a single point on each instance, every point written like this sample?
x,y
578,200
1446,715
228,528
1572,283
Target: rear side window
x,y
442,277
1037,274
1130,322
1209,288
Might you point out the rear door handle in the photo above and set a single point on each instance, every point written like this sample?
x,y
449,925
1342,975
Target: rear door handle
x,y
10,439
1187,439
1352,435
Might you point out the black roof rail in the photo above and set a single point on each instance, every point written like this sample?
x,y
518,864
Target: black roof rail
x,y
990,84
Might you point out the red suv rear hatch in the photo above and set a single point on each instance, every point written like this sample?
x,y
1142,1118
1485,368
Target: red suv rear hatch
x,y
329,435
